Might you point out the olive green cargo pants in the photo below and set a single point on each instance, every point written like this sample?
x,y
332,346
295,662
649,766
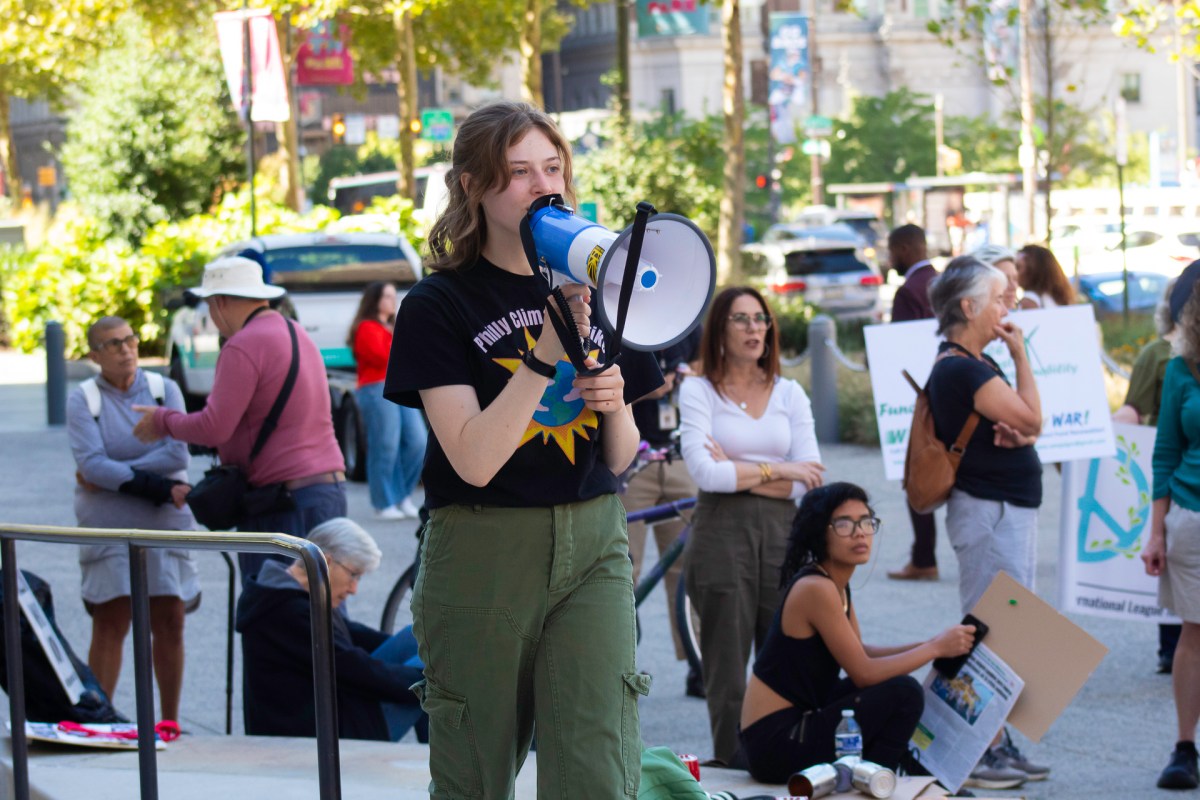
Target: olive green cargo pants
x,y
524,616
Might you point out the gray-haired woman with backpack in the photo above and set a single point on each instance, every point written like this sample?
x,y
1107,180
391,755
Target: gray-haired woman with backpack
x,y
991,516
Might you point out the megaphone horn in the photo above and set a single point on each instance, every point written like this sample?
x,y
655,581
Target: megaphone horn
x,y
674,280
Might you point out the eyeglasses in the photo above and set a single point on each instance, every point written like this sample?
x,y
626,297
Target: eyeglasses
x,y
844,526
115,345
746,321
354,576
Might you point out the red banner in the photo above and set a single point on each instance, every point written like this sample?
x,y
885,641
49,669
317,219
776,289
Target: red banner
x,y
266,63
324,58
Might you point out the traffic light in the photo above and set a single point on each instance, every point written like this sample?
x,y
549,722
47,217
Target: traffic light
x,y
339,128
415,127
761,181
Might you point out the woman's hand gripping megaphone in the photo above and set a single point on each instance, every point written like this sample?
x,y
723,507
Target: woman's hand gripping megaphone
x,y
549,347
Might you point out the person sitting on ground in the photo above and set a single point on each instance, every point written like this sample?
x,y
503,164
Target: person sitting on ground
x,y
794,699
374,671
124,483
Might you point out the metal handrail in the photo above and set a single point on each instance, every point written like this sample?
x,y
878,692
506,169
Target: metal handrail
x,y
1113,365
138,541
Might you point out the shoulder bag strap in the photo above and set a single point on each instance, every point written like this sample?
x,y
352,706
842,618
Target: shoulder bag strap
x,y
964,436
288,383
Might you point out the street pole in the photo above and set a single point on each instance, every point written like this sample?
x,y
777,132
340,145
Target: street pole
x,y
1181,96
248,104
1028,155
623,101
939,129
818,180
1122,157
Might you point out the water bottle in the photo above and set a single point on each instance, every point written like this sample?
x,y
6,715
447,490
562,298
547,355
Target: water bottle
x,y
847,739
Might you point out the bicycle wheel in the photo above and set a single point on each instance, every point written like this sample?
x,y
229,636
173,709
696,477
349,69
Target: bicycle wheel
x,y
687,621
398,601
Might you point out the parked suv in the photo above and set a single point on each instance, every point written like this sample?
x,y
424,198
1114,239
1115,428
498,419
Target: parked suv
x,y
325,275
826,264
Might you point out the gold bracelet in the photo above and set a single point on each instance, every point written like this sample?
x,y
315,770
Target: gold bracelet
x,y
765,470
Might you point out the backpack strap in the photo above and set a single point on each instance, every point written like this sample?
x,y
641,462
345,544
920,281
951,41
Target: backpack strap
x,y
968,429
158,386
91,393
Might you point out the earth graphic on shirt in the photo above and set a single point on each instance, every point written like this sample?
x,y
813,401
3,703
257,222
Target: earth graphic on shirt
x,y
561,414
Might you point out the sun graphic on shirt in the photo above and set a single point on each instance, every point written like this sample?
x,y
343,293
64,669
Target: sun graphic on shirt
x,y
561,414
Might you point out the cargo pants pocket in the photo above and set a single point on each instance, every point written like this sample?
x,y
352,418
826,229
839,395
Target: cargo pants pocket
x,y
635,685
453,755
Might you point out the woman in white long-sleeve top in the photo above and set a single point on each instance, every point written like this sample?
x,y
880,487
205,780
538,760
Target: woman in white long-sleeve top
x,y
750,444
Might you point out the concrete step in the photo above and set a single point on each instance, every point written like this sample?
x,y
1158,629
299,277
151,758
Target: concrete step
x,y
204,767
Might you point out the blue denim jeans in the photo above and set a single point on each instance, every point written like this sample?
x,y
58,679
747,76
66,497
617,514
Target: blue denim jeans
x,y
314,505
401,649
396,438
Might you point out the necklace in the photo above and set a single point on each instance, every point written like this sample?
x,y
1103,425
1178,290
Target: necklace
x,y
742,405
845,601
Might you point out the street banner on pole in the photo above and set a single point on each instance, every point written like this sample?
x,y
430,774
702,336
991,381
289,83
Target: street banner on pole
x,y
788,89
1104,527
1063,351
323,58
266,63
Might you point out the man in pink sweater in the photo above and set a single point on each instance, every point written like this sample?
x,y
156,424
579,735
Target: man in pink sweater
x,y
302,453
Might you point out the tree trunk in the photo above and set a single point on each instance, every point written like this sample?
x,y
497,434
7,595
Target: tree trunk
x,y
406,94
531,53
733,103
8,153
1052,146
623,101
288,132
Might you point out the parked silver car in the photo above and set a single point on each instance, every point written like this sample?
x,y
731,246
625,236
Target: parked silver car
x,y
827,264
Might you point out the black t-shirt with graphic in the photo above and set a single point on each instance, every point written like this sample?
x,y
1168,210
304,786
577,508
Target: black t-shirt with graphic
x,y
470,327
1008,474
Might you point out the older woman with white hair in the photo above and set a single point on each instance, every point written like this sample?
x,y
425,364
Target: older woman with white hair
x,y
991,517
374,671
1004,260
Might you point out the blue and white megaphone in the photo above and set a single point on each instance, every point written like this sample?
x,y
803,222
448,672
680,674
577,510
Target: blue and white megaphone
x,y
675,275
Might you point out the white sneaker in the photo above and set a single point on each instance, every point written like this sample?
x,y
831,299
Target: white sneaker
x,y
391,512
408,509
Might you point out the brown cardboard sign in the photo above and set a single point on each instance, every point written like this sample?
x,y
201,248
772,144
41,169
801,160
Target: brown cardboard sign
x,y
1053,655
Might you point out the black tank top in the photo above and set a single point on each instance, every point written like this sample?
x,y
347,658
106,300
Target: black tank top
x,y
801,671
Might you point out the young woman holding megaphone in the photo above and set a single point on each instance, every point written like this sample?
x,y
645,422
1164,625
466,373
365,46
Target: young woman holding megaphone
x,y
523,607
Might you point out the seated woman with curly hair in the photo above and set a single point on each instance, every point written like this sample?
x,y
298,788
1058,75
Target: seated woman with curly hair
x,y
794,700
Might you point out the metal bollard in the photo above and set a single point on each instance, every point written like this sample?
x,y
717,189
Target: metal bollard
x,y
824,394
56,374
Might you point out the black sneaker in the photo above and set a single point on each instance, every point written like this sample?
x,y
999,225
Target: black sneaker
x,y
1165,662
695,683
1181,772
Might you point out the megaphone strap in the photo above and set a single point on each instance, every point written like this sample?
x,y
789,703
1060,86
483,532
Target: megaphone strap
x,y
567,334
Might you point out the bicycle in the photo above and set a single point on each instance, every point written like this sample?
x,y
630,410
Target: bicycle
x,y
686,619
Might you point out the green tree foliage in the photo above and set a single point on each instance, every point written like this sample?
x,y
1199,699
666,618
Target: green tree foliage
x,y
153,136
676,164
884,138
1170,26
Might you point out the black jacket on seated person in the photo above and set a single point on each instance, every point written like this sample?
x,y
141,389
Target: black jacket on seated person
x,y
274,619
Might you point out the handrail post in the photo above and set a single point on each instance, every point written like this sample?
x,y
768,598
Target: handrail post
x,y
328,766
142,672
229,621
16,671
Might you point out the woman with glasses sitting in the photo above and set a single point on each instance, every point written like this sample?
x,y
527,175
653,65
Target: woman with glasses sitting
x,y
748,438
374,671
794,699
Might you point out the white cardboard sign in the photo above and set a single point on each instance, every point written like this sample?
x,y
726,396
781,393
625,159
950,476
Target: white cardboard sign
x,y
1064,352
1104,526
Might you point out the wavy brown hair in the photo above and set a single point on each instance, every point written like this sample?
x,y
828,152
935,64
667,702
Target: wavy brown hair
x,y
1044,275
712,344
481,151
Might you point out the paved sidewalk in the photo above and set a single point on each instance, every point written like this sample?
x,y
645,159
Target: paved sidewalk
x,y
1111,741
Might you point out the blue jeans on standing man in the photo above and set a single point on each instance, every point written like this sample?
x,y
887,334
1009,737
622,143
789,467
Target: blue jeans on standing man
x,y
396,438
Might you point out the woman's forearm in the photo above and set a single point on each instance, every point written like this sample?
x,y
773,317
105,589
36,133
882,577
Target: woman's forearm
x,y
619,440
1027,390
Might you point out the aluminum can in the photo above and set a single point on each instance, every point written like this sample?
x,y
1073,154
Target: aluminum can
x,y
816,781
845,770
872,779
692,763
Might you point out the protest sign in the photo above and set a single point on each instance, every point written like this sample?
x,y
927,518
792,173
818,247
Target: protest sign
x,y
1105,523
1063,352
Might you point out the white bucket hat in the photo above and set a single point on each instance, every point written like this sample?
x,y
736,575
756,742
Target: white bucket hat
x,y
236,276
